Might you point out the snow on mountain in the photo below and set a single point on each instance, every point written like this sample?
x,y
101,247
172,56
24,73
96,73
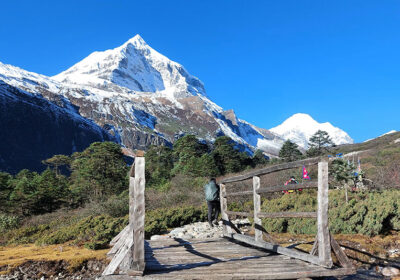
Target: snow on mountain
x,y
141,97
135,66
300,127
18,77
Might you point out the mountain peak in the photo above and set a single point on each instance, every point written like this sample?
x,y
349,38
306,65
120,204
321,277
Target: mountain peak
x,y
300,117
300,127
137,41
134,66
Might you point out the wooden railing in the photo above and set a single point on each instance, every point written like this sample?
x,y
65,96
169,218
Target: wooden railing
x,y
128,253
324,242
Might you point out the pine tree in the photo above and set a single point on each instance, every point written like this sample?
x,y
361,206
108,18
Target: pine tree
x,y
5,191
290,151
259,158
56,161
159,163
320,142
227,158
98,171
188,153
189,146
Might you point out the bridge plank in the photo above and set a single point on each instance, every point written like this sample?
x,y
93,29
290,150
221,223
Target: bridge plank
x,y
220,259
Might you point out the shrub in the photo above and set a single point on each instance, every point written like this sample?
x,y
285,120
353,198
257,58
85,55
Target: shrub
x,y
95,232
116,206
368,213
8,222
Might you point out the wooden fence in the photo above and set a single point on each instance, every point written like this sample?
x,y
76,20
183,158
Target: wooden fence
x,y
128,253
324,241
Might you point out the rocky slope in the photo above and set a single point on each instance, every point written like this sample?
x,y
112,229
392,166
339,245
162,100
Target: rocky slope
x,y
33,128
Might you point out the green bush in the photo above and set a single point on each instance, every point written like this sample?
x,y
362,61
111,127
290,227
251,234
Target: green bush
x,y
368,213
116,206
99,229
158,221
8,222
95,232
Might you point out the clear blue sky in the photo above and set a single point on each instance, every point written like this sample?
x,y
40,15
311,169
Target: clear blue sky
x,y
338,61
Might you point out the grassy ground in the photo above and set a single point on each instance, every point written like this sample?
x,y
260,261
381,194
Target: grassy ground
x,y
13,256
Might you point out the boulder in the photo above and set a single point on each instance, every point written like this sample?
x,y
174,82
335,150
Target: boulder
x,y
390,271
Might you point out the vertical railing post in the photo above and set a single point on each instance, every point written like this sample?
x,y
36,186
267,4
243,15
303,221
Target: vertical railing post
x,y
136,216
224,207
324,245
257,209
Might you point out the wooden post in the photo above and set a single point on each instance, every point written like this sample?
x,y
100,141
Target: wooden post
x,y
324,244
131,201
136,216
127,263
224,208
257,209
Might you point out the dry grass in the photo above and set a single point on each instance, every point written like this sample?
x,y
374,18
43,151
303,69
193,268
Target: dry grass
x,y
12,256
361,249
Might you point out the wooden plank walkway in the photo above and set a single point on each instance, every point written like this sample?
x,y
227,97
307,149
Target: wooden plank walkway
x,y
221,259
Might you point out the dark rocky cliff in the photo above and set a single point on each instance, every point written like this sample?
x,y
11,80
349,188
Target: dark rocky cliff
x,y
33,129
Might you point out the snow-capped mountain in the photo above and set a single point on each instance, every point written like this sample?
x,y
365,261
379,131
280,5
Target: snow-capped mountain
x,y
134,66
138,97
300,127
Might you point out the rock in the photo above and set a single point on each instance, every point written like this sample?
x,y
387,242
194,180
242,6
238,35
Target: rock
x,y
390,271
394,253
187,236
177,231
159,237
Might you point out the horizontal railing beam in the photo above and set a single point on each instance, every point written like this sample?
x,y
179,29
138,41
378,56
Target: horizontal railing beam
x,y
239,193
287,215
307,185
234,213
271,169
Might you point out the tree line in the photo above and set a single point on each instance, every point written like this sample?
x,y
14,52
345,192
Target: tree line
x,y
95,173
100,171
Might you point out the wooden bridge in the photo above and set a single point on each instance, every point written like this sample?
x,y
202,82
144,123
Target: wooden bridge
x,y
235,256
